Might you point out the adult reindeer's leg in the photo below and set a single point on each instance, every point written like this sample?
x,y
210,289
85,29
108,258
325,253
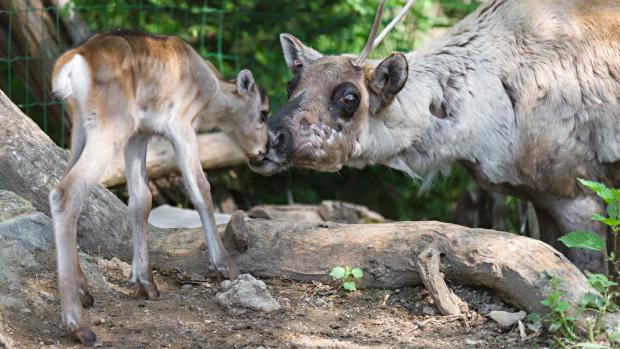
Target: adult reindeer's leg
x,y
183,139
141,280
66,201
575,214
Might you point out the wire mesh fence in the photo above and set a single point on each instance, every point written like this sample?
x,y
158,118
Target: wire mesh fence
x,y
35,34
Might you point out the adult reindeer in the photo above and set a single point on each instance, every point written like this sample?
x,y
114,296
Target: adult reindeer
x,y
522,93
121,88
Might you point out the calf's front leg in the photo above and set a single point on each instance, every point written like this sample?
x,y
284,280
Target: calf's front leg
x,y
183,139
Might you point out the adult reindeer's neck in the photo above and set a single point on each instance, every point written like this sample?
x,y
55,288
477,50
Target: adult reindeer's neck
x,y
453,107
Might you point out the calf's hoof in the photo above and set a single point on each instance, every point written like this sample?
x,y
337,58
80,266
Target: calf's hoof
x,y
85,335
86,298
227,269
146,290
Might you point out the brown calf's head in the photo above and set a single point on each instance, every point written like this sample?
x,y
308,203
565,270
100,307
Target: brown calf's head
x,y
246,119
332,99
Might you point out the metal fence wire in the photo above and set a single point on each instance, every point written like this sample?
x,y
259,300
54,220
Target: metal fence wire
x,y
33,34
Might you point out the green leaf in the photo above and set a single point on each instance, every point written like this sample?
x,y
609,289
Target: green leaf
x,y
535,322
591,300
591,346
349,286
554,326
606,220
583,239
562,306
600,282
613,210
600,189
357,273
337,273
614,336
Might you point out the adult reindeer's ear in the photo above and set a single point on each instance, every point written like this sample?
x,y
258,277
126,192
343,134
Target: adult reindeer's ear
x,y
386,80
296,54
245,82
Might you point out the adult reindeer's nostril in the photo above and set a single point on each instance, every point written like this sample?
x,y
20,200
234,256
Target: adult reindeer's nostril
x,y
282,141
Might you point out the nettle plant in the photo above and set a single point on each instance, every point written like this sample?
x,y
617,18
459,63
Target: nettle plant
x,y
562,318
348,276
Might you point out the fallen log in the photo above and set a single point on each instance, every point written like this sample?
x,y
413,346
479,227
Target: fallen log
x,y
516,267
216,151
31,165
327,211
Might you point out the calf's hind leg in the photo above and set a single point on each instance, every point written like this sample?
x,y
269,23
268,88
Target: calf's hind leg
x,y
66,201
141,280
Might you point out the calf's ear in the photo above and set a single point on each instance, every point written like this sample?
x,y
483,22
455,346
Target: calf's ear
x,y
245,82
386,80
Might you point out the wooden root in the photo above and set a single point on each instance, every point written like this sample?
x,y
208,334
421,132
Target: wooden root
x,y
428,267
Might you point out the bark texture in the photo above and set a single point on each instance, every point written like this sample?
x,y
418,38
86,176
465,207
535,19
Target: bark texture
x,y
31,165
512,265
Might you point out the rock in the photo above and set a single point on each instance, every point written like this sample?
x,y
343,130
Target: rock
x,y
13,205
505,319
428,310
32,230
246,292
20,221
166,216
320,302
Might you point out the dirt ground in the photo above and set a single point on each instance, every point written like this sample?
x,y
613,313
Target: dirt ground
x,y
313,315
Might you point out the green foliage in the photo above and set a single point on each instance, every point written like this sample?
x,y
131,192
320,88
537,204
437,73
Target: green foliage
x,y
589,240
583,239
348,276
562,315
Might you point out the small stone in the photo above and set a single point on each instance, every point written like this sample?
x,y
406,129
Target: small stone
x,y
187,286
320,302
470,341
26,311
246,292
428,310
100,322
505,319
225,285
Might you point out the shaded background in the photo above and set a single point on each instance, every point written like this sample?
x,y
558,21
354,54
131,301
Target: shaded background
x,y
235,35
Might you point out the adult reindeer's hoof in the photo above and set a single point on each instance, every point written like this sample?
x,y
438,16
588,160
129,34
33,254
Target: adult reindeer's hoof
x,y
146,290
85,335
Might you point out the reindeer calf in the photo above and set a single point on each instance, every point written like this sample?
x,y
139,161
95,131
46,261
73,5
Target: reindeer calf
x,y
121,88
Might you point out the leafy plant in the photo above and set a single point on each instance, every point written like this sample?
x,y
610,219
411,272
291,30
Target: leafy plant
x,y
348,276
562,317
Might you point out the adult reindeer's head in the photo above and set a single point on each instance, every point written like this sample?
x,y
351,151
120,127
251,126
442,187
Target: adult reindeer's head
x,y
332,100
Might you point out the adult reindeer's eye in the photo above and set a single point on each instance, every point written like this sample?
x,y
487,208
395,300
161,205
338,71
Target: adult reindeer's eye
x,y
351,100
